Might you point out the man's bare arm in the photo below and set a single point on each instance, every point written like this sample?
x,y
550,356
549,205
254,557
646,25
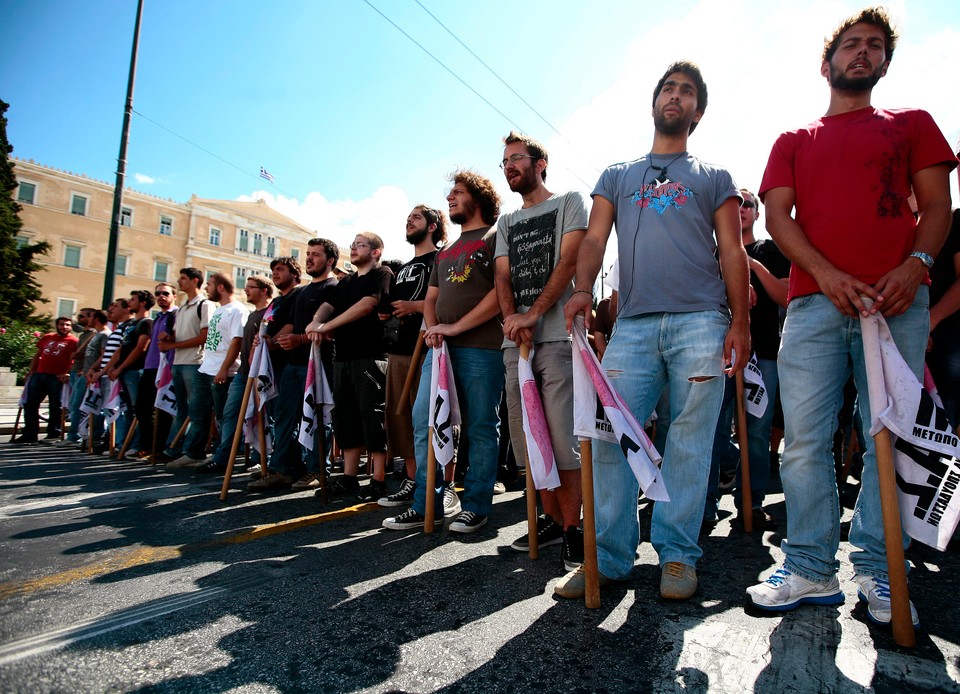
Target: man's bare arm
x,y
736,278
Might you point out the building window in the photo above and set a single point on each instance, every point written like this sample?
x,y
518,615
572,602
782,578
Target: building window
x,y
78,205
71,255
258,244
241,275
121,264
166,226
66,308
160,270
214,236
27,193
126,216
271,247
295,254
22,241
243,240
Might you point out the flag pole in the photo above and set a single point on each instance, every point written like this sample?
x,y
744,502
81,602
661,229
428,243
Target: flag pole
x,y
429,512
591,569
128,439
153,443
236,439
531,489
415,365
746,493
901,620
16,422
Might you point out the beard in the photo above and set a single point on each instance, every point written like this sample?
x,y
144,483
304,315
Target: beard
x,y
838,80
677,125
465,212
416,236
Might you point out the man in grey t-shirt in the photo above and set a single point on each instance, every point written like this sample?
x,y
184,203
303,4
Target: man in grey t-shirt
x,y
679,323
535,260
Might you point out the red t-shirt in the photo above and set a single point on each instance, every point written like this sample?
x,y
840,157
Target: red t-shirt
x,y
56,353
852,176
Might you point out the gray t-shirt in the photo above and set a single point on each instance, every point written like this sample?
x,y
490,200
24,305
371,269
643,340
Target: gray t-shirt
x,y
665,236
531,237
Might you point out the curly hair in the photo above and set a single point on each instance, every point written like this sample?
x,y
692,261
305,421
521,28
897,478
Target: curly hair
x,y
876,16
482,191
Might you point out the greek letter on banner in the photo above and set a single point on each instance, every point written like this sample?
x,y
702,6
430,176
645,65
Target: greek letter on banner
x,y
444,408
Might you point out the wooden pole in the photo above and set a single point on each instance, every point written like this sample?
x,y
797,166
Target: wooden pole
x,y
532,541
746,493
128,438
321,455
112,437
183,430
901,620
416,363
16,422
591,569
429,513
238,432
90,418
261,434
63,421
153,443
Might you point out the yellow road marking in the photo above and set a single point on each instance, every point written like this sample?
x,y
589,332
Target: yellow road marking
x,y
129,558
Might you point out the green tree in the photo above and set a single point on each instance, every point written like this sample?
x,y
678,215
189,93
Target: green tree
x,y
19,291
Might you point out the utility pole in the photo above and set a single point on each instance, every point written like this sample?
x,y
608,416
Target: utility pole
x,y
108,280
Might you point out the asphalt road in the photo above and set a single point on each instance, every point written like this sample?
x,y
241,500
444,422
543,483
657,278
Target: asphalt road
x,y
121,577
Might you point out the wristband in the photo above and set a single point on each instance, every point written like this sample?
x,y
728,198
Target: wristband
x,y
582,291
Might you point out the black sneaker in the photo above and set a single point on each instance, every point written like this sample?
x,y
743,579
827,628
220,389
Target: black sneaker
x,y
549,533
451,502
345,485
468,522
572,550
210,468
405,521
374,491
402,497
727,480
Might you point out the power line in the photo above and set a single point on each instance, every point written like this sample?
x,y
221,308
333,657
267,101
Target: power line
x,y
505,84
212,154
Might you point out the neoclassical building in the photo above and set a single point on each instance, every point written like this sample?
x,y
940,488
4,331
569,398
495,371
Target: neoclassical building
x,y
157,236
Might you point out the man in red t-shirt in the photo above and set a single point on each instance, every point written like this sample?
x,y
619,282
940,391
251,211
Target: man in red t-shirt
x,y
49,370
853,235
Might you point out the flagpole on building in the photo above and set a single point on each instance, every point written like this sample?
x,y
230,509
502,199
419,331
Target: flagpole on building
x,y
113,242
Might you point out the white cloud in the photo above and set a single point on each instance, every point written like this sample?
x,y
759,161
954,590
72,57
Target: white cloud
x,y
143,179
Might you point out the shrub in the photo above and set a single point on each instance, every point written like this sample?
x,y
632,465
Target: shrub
x,y
18,343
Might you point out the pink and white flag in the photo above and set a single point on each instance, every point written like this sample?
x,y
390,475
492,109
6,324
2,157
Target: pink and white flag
x,y
111,408
600,413
754,390
444,407
92,399
536,433
926,451
166,399
261,371
317,400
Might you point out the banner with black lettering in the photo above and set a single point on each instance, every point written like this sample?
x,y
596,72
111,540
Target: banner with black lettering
x,y
92,399
317,400
166,399
926,449
599,412
536,433
444,407
113,403
754,390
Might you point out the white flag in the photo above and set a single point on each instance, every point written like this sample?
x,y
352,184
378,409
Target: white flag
x,y
316,395
66,394
543,465
166,399
261,371
754,389
444,407
92,399
926,449
111,408
599,412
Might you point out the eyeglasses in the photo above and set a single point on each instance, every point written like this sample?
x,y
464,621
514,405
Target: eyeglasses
x,y
749,204
514,158
355,246
164,293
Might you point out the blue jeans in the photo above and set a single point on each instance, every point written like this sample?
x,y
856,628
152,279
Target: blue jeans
x,y
183,375
647,353
479,377
78,388
206,405
228,420
819,349
131,385
287,456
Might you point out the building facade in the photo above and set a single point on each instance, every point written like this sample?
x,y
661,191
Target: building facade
x,y
157,237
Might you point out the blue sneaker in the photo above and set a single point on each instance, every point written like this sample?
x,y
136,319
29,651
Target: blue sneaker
x,y
876,593
785,590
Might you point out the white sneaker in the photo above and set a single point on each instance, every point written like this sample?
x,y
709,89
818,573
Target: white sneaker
x,y
185,461
876,593
451,502
785,590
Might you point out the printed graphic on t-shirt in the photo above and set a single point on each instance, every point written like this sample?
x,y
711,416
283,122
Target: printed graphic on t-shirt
x,y
468,255
412,281
214,337
532,252
661,195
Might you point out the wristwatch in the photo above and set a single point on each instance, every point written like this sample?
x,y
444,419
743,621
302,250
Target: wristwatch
x,y
924,258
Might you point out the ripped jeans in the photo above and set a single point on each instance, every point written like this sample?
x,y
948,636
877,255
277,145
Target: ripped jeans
x,y
647,353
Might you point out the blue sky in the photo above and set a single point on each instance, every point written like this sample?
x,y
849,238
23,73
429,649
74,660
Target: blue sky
x,y
357,123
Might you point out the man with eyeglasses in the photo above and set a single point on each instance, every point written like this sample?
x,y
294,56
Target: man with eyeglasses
x,y
165,294
682,315
768,277
350,314
535,262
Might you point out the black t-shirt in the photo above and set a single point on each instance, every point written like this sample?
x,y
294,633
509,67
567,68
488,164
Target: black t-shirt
x,y
131,336
309,299
282,315
942,276
361,338
765,316
411,284
250,329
